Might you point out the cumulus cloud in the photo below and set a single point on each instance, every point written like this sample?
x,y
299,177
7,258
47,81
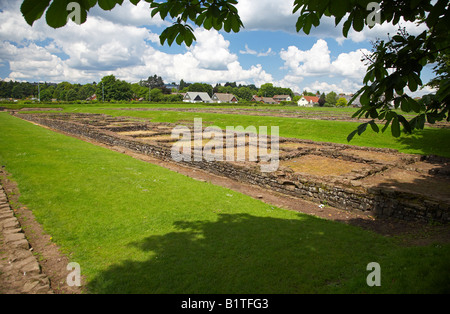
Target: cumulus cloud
x,y
348,68
114,43
267,14
212,50
130,14
317,62
345,86
277,16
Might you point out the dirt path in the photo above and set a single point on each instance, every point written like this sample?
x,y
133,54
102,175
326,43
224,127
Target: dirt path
x,y
34,264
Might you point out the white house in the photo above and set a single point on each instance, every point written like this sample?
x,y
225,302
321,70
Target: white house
x,y
308,101
224,98
280,98
195,97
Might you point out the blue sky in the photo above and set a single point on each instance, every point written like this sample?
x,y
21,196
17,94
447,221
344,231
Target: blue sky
x,y
125,42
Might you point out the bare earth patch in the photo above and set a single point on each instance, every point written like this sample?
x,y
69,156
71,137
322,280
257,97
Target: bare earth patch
x,y
321,166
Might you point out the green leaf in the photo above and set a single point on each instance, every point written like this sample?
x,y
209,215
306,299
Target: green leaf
x,y
235,23
57,13
346,27
307,25
412,84
421,121
358,21
108,4
208,23
395,128
32,10
389,116
374,126
405,105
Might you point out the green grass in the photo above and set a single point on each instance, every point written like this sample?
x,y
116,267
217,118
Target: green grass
x,y
138,228
430,141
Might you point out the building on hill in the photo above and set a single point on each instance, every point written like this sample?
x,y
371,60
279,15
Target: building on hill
x,y
308,101
264,100
196,97
224,98
280,98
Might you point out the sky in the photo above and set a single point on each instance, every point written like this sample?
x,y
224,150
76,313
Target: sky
x,y
125,42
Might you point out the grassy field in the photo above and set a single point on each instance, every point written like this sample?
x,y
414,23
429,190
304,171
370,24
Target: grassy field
x,y
426,142
138,228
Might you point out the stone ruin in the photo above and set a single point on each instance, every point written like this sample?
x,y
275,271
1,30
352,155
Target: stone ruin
x,y
382,181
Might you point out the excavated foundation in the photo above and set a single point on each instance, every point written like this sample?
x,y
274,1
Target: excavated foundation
x,y
383,181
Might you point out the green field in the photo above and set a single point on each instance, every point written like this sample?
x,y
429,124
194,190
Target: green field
x,y
427,142
138,228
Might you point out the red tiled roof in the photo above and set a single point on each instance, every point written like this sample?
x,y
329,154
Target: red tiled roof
x,y
312,98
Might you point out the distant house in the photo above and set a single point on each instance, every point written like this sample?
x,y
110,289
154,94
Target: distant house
x,y
280,98
356,102
308,101
196,97
93,97
264,100
224,98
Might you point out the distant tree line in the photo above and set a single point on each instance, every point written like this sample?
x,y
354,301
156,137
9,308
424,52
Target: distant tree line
x,y
152,89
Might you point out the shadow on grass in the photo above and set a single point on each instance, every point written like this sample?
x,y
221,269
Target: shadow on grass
x,y
430,141
241,253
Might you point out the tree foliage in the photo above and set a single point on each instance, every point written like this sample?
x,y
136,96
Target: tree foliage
x,y
331,98
217,14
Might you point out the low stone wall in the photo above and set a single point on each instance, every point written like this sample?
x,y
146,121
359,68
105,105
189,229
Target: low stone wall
x,y
341,194
20,271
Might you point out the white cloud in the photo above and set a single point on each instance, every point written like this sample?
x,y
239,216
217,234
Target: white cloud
x,y
120,42
277,16
267,14
108,44
249,51
317,62
129,14
345,87
32,61
212,50
348,68
350,65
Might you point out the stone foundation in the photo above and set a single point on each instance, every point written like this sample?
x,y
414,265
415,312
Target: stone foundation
x,y
378,181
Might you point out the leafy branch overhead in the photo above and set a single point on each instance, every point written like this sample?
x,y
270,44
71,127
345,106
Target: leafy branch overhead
x,y
217,14
394,67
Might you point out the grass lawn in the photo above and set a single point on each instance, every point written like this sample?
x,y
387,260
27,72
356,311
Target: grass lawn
x,y
138,228
429,141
